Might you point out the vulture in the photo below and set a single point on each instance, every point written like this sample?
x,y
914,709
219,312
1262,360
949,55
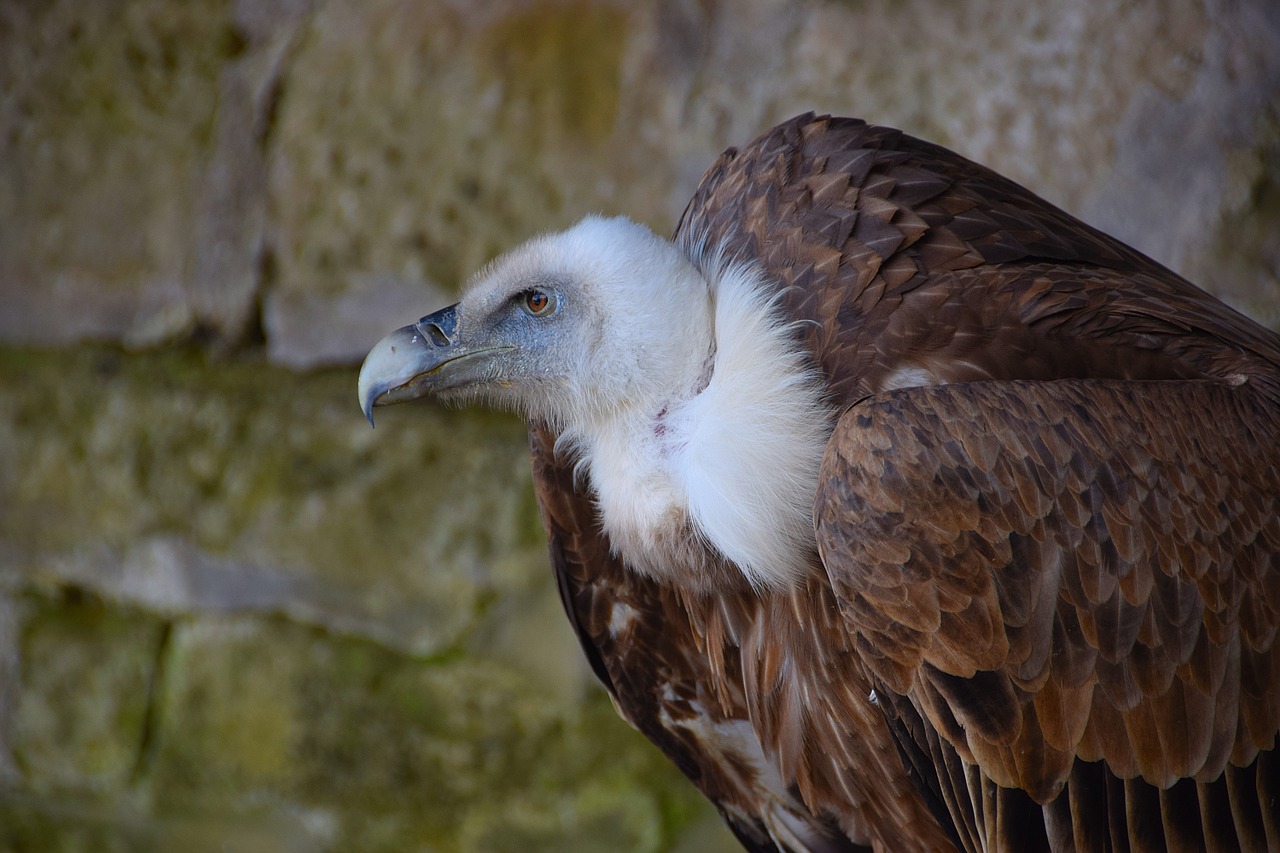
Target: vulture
x,y
900,509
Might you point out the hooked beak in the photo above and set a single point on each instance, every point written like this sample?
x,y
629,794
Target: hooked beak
x,y
406,364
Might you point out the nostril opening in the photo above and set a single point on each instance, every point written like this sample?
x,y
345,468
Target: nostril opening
x,y
435,334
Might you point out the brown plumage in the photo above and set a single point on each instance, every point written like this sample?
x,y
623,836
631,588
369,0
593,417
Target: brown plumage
x,y
1059,572
1041,602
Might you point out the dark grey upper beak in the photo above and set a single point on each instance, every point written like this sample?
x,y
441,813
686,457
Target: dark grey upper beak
x,y
399,367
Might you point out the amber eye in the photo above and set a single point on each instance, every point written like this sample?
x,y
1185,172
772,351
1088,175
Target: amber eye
x,y
538,303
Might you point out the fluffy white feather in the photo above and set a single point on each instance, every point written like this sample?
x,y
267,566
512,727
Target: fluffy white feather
x,y
722,432
751,443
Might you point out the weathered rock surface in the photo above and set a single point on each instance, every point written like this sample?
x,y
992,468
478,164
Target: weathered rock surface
x,y
230,610
315,172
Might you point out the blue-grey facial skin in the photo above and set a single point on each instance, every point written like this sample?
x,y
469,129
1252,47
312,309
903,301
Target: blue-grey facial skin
x,y
502,347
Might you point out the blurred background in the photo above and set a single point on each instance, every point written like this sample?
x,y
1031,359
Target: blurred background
x,y
233,617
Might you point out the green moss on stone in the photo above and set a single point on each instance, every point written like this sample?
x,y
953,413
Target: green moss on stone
x,y
428,693
563,62
118,103
460,753
434,510
1245,268
455,137
81,715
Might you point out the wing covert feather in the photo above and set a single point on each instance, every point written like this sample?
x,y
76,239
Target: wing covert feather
x,y
1092,607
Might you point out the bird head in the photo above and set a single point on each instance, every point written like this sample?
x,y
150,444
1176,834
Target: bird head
x,y
569,326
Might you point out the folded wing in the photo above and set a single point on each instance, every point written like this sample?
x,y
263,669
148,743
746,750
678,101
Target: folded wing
x,y
1068,591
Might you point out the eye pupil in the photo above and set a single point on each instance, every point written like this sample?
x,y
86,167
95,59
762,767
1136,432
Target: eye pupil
x,y
537,301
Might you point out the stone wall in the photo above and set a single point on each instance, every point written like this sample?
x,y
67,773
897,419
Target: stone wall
x,y
230,612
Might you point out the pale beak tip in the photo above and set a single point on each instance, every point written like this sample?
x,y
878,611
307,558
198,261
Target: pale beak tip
x,y
369,389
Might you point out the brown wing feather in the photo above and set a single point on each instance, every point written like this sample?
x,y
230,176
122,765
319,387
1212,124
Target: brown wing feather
x,y
654,660
904,255
1065,572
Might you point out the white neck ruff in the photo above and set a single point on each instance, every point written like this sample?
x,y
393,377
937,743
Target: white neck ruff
x,y
732,465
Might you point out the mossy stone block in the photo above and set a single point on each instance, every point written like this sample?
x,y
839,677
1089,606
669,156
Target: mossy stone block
x,y
81,717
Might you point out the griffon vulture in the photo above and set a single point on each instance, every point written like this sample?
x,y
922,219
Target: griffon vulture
x,y
899,508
